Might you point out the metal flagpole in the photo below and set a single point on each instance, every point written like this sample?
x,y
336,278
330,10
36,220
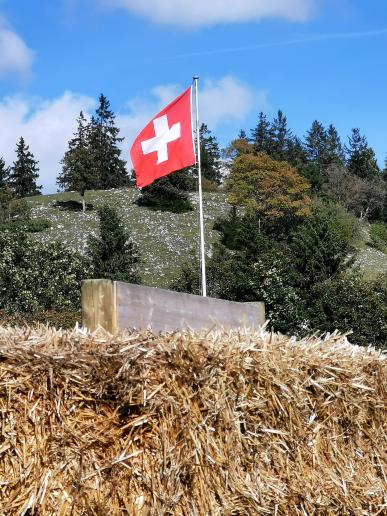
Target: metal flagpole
x,y
199,163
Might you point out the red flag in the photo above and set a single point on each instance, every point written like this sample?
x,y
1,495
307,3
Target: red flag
x,y
166,143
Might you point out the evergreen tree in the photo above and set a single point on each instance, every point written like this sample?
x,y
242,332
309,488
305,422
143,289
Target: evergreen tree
x,y
295,154
114,254
242,135
361,158
316,143
24,172
78,173
334,148
4,174
280,137
210,155
260,135
109,168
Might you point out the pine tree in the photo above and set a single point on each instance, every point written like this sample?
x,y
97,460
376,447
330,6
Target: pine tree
x,y
260,135
114,254
316,143
242,135
78,173
24,172
334,148
361,158
210,155
4,174
109,168
279,138
295,154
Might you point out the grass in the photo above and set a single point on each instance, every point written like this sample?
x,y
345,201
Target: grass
x,y
165,239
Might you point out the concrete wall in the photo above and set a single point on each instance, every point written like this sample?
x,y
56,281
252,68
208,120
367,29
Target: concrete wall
x,y
135,306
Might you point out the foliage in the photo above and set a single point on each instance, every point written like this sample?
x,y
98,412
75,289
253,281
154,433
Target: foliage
x,y
364,197
315,174
78,173
378,234
260,135
24,172
36,276
169,193
4,174
349,303
6,197
27,226
209,186
321,246
334,153
361,158
108,167
114,255
315,143
270,189
210,156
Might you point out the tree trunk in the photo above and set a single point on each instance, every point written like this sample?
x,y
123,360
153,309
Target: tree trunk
x,y
83,203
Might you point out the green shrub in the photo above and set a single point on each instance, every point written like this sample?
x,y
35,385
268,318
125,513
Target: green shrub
x,y
169,193
36,276
19,209
378,234
28,226
350,303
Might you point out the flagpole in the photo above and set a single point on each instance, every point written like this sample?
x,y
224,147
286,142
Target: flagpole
x,y
201,218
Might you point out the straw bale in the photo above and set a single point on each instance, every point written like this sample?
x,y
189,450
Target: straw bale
x,y
224,423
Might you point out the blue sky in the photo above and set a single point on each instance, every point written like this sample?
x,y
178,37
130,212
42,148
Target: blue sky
x,y
323,59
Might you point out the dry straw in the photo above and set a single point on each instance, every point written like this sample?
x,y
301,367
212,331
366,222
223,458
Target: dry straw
x,y
217,424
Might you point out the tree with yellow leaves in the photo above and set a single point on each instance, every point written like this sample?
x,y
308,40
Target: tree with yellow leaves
x,y
273,190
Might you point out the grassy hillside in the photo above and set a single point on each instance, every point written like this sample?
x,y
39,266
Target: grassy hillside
x,y
165,238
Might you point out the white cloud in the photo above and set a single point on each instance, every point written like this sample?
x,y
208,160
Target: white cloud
x,y
223,101
193,13
15,56
48,125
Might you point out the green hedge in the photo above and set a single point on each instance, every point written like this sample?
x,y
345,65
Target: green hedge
x,y
28,226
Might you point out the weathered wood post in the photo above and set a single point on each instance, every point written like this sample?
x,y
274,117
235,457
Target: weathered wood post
x,y
99,307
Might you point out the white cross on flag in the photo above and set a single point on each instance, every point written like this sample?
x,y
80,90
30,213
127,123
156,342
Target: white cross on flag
x,y
166,143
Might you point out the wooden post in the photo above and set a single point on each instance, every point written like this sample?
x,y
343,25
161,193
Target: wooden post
x,y
99,309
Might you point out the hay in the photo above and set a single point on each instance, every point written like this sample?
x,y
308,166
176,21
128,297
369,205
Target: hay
x,y
218,424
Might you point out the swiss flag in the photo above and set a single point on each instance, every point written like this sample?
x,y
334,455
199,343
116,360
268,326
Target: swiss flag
x,y
166,143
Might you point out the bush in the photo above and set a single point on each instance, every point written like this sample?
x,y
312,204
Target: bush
x,y
209,186
36,276
350,303
169,193
378,234
28,226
